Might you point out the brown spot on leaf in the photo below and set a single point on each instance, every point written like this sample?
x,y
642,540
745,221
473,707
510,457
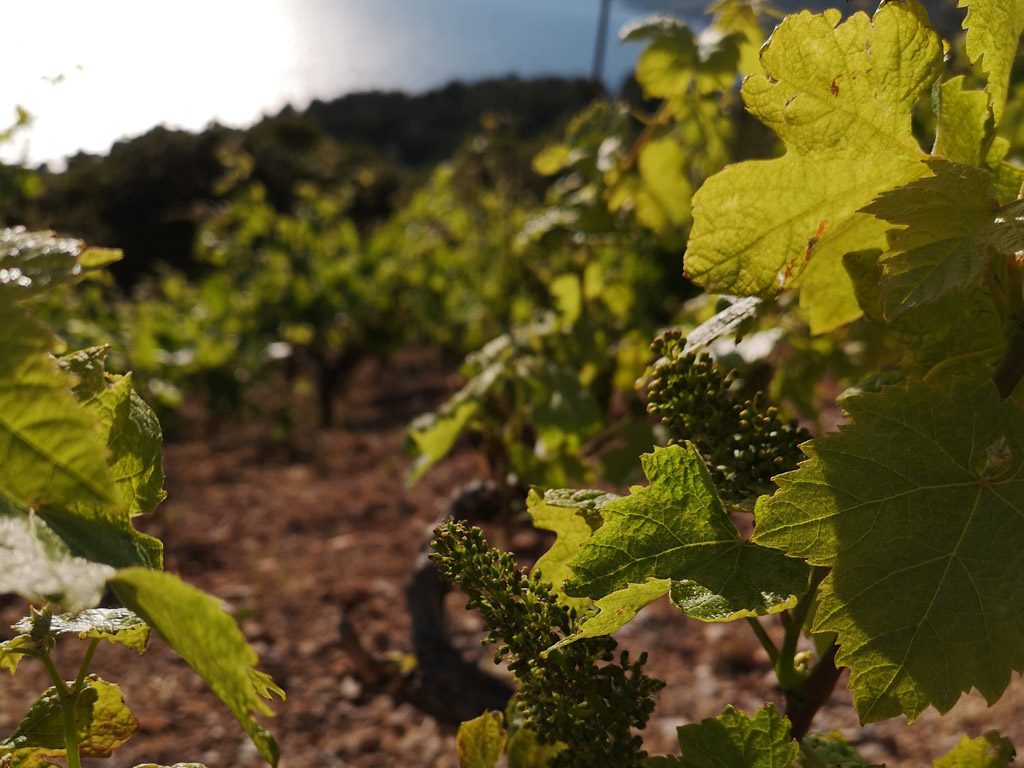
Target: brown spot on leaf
x,y
812,242
834,88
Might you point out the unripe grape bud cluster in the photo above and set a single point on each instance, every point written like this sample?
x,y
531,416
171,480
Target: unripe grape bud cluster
x,y
582,695
744,442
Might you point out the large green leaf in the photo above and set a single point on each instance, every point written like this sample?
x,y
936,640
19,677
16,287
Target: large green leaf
x,y
677,529
734,740
51,449
37,565
835,94
993,34
196,626
918,507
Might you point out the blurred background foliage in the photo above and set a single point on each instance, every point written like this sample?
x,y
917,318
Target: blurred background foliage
x,y
533,230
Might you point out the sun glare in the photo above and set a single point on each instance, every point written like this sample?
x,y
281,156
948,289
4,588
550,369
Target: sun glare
x,y
89,66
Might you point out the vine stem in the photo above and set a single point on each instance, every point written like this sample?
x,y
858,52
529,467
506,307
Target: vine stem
x,y
83,670
68,697
67,705
793,622
766,642
805,692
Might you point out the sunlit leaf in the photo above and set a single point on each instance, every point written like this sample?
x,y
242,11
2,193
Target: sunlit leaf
x,y
196,626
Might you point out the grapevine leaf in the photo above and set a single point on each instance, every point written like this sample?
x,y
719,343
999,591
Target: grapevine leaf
x,y
1008,177
739,17
941,243
133,431
663,199
618,609
42,726
673,60
916,507
677,529
104,723
12,651
35,262
572,516
734,740
176,765
115,625
37,565
564,411
834,93
667,66
963,123
112,723
955,324
481,742
432,436
50,447
196,626
988,751
993,34
98,258
828,750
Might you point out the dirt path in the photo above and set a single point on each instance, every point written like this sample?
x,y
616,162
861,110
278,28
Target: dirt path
x,y
294,543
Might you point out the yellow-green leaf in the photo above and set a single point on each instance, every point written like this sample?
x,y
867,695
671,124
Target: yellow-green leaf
x,y
988,751
196,626
677,530
51,448
835,93
993,34
481,742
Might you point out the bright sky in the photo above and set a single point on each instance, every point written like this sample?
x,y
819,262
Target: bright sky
x,y
127,64
91,72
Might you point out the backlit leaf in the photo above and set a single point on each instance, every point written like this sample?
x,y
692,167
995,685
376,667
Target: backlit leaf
x,y
51,449
572,516
993,34
917,506
196,626
104,723
988,751
115,625
481,742
835,93
133,432
677,530
37,565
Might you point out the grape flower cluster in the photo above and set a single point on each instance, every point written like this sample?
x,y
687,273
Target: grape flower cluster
x,y
744,441
579,695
